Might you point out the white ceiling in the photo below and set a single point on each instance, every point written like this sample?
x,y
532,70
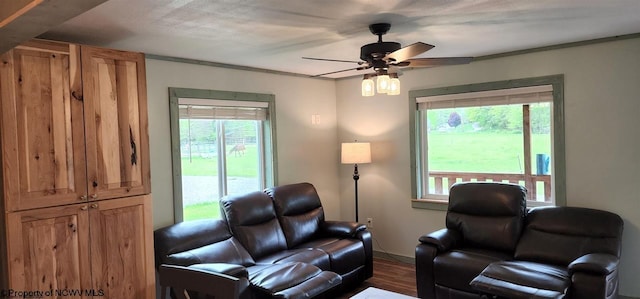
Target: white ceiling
x,y
275,34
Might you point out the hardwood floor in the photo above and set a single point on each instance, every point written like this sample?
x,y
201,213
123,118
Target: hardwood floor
x,y
390,275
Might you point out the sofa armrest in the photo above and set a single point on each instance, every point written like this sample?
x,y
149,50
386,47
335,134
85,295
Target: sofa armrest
x,y
594,263
237,271
182,279
342,229
443,239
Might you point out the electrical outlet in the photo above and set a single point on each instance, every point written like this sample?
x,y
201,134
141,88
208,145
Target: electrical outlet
x,y
370,222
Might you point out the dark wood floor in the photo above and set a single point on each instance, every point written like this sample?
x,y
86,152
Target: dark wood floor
x,y
390,275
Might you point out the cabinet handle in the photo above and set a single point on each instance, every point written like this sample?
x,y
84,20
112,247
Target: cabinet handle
x,y
83,197
84,208
94,206
94,196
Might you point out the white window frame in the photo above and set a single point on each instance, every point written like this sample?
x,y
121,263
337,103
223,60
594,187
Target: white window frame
x,y
233,105
501,92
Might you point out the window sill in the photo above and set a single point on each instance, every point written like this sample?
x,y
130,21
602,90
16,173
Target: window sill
x,y
430,204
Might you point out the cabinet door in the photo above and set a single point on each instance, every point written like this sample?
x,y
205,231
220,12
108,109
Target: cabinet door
x,y
122,247
117,138
48,249
42,126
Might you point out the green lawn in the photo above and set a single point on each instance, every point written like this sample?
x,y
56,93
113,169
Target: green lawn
x,y
209,210
448,151
237,165
482,152
245,165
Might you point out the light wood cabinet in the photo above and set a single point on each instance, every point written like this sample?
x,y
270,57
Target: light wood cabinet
x,y
115,122
76,204
98,247
74,124
121,240
43,149
48,248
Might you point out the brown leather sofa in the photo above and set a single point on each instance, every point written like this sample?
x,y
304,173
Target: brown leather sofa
x,y
493,247
271,244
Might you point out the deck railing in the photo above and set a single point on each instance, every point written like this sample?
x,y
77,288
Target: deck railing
x,y
538,186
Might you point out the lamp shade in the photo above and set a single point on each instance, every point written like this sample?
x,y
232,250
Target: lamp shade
x,y
394,87
383,83
367,87
356,153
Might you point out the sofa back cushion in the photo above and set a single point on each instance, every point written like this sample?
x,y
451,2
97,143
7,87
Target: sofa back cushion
x,y
487,215
252,220
196,242
299,211
559,235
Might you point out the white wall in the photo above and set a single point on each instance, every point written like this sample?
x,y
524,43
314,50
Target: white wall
x,y
602,107
305,152
602,117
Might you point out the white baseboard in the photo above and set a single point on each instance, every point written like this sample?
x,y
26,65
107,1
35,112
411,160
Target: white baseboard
x,y
394,257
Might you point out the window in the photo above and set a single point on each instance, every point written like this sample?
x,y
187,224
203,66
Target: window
x,y
509,131
222,143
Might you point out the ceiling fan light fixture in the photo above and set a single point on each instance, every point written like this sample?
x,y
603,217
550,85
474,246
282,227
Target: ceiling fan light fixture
x,y
394,86
367,87
382,84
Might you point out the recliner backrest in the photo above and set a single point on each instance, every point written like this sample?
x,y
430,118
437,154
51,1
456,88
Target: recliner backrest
x,y
488,215
197,242
299,211
252,220
559,235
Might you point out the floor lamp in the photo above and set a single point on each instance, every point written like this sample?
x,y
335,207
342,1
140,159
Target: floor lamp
x,y
354,153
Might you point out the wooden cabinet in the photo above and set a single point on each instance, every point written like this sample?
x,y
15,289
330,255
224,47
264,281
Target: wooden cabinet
x,y
122,247
76,210
99,247
74,124
43,149
115,122
49,248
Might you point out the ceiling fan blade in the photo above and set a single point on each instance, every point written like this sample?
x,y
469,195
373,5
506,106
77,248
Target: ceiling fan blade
x,y
394,69
335,60
408,52
351,69
429,62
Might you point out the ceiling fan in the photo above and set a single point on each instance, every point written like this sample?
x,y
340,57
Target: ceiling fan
x,y
387,57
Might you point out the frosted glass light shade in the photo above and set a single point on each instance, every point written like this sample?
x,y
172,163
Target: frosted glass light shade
x,y
383,83
356,153
394,87
367,88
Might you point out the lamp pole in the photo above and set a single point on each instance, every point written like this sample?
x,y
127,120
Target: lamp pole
x,y
356,176
356,153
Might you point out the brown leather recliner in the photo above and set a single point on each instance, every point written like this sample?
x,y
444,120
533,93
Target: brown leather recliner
x,y
493,247
484,222
301,216
272,244
564,252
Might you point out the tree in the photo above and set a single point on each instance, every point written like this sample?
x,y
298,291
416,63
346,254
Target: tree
x,y
454,119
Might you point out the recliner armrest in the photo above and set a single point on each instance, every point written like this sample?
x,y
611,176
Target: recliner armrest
x,y
343,229
444,239
594,263
182,279
237,271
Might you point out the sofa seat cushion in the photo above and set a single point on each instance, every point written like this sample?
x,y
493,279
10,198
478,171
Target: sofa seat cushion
x,y
289,280
320,284
455,269
312,256
520,279
345,255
